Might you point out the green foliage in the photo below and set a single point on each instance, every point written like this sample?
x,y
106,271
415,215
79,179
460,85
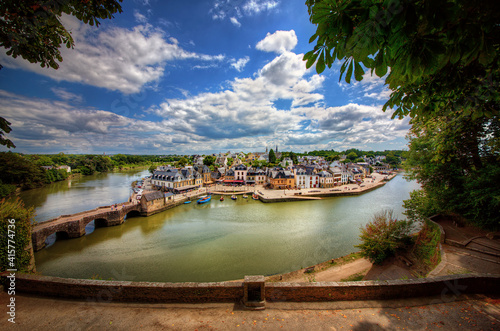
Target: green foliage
x,y
6,189
209,160
55,175
426,249
437,50
33,29
18,170
419,206
272,156
352,156
383,236
455,161
20,234
393,160
5,128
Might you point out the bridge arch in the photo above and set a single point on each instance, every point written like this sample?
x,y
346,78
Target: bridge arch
x,y
62,235
133,213
100,222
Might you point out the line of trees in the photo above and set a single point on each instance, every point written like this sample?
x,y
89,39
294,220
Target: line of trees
x,y
26,171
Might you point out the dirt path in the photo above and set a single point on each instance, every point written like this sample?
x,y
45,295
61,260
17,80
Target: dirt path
x,y
334,273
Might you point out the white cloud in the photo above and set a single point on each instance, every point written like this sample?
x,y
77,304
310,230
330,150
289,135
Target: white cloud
x,y
247,115
63,94
278,42
234,10
140,18
116,59
257,6
234,20
240,64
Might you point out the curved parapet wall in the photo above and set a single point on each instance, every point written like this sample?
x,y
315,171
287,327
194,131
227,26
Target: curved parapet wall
x,y
447,287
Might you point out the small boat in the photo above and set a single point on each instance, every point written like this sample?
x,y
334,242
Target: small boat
x,y
204,199
186,202
245,196
255,197
233,197
221,198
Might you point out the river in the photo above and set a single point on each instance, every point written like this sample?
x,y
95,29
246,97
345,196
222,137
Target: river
x,y
217,241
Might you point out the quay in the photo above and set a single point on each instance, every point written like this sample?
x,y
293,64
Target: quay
x,y
153,202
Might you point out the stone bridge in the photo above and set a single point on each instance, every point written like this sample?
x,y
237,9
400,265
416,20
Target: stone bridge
x,y
73,226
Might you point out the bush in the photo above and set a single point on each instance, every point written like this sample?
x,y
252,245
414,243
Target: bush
x,y
426,250
19,236
383,236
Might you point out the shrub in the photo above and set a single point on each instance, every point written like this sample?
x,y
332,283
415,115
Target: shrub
x,y
383,236
19,236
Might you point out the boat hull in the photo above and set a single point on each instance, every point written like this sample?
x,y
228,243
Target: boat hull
x,y
204,200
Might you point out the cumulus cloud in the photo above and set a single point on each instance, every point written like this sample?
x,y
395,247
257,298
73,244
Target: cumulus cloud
x,y
278,42
242,116
117,59
237,9
240,64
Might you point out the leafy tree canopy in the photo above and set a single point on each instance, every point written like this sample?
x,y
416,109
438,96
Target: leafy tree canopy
x,y
33,30
209,160
435,53
272,156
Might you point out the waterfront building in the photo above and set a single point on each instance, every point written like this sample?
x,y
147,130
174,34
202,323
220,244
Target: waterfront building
x,y
337,176
176,180
325,179
240,172
305,177
281,179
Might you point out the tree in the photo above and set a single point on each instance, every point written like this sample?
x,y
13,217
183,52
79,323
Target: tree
x,y
352,156
438,51
209,160
441,60
5,128
33,30
272,156
457,176
384,236
394,161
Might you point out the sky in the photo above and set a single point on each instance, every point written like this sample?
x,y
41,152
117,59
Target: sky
x,y
193,77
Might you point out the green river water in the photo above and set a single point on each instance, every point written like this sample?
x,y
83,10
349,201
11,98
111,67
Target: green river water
x,y
217,241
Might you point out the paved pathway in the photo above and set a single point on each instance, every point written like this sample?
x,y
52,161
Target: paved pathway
x,y
472,313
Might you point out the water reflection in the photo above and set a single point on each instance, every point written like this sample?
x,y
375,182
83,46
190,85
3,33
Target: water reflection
x,y
223,240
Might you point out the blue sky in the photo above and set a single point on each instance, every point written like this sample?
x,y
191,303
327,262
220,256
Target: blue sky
x,y
193,77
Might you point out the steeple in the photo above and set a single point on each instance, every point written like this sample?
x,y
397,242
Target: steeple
x,y
276,148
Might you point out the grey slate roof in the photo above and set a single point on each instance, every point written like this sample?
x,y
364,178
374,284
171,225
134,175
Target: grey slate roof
x,y
150,196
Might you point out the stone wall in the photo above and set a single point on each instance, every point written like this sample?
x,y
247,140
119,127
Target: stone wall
x,y
447,287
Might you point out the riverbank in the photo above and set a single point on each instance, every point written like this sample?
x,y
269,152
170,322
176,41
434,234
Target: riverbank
x,y
269,195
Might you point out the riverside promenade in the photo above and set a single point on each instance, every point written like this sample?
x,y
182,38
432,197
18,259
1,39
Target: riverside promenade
x,y
270,195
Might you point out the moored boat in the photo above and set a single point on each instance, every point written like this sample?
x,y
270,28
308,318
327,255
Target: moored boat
x,y
233,197
204,199
255,197
221,198
187,201
245,196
